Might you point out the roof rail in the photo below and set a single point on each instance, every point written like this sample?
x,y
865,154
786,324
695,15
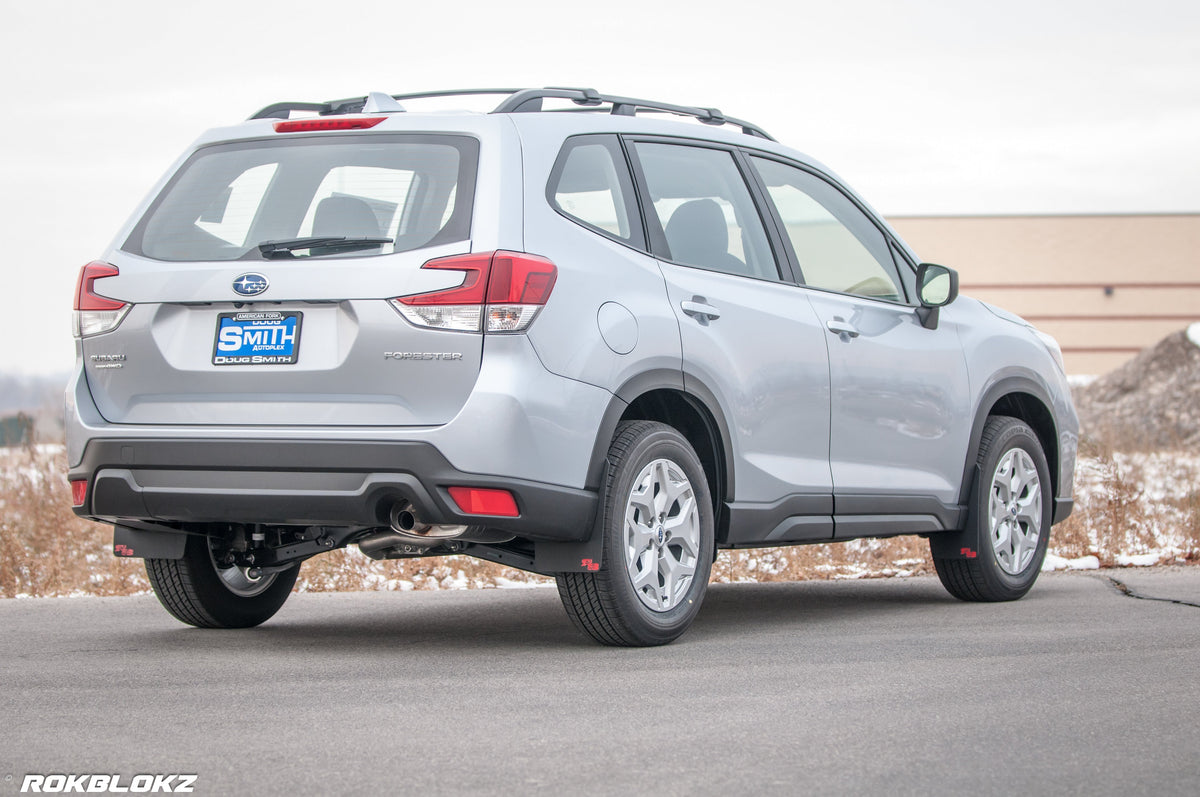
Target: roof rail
x,y
526,101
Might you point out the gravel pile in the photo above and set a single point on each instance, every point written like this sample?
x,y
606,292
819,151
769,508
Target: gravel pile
x,y
1151,402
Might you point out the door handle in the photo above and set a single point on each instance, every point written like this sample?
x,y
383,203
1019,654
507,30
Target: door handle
x,y
841,327
700,309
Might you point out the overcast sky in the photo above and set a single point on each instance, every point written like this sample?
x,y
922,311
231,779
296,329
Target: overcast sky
x,y
924,106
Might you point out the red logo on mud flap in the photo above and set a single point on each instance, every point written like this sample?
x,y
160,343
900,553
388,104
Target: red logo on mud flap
x,y
967,552
588,564
122,550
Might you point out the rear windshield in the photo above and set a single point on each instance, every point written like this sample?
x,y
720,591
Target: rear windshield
x,y
228,200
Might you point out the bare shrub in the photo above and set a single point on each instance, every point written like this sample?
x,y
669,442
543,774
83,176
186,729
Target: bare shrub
x,y
1128,504
1190,531
45,549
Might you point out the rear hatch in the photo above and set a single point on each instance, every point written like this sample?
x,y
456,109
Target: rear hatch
x,y
256,287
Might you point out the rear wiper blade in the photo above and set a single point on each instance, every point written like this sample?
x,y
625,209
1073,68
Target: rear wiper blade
x,y
274,250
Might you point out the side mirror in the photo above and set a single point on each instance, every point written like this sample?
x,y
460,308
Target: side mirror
x,y
937,286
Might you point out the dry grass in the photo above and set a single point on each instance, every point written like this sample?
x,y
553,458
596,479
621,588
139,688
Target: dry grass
x,y
348,570
1125,504
1132,503
1191,527
44,548
897,556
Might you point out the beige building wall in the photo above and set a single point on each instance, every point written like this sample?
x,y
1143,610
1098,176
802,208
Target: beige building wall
x,y
1104,286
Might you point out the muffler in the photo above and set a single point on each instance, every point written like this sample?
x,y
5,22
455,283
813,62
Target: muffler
x,y
403,520
408,533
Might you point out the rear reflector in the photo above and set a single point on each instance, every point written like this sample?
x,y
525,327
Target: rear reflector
x,y
481,501
78,492
309,125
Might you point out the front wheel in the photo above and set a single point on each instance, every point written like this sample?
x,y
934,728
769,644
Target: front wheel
x,y
199,592
1008,528
657,525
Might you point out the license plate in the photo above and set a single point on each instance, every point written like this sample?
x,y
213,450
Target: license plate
x,y
261,337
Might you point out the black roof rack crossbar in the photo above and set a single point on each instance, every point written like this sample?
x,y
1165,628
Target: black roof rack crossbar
x,y
525,101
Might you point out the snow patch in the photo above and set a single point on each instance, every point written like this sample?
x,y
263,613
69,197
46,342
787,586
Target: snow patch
x,y
1194,333
1139,560
1055,562
508,583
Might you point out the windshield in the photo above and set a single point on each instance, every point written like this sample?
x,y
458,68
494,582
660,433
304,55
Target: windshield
x,y
397,192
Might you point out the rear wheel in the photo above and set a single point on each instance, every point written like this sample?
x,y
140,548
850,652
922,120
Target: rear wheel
x,y
1009,526
657,525
198,591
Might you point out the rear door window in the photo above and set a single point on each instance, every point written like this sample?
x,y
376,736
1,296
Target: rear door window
x,y
705,209
591,184
415,190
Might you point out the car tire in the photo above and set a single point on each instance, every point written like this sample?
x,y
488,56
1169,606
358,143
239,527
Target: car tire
x,y
1008,526
198,592
657,526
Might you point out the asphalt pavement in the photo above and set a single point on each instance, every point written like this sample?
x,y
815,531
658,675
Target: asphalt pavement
x,y
850,687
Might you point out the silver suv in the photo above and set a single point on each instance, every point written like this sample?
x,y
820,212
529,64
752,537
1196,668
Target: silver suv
x,y
581,335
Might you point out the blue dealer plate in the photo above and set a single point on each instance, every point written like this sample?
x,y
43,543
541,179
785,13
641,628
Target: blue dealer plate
x,y
260,337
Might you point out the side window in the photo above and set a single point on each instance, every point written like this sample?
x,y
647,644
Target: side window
x,y
706,210
836,245
590,183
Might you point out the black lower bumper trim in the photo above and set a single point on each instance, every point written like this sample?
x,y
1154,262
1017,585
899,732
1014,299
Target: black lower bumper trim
x,y
300,482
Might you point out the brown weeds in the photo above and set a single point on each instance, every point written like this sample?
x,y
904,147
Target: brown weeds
x,y
349,570
1190,534
857,559
45,549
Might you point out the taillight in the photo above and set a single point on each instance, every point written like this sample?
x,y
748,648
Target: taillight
x,y
484,501
94,313
500,292
78,492
309,125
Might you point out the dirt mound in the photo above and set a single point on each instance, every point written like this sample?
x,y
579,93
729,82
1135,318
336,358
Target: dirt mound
x,y
1151,402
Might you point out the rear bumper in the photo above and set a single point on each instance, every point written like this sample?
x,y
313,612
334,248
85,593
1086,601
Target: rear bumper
x,y
306,482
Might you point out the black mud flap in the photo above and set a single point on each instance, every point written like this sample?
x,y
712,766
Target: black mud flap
x,y
952,545
960,544
584,556
134,543
569,557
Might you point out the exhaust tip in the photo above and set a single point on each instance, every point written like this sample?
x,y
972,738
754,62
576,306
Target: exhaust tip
x,y
402,518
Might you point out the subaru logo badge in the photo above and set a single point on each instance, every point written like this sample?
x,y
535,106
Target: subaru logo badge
x,y
250,284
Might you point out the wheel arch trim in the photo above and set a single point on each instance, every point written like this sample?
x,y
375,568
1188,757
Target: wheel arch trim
x,y
1004,387
691,390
